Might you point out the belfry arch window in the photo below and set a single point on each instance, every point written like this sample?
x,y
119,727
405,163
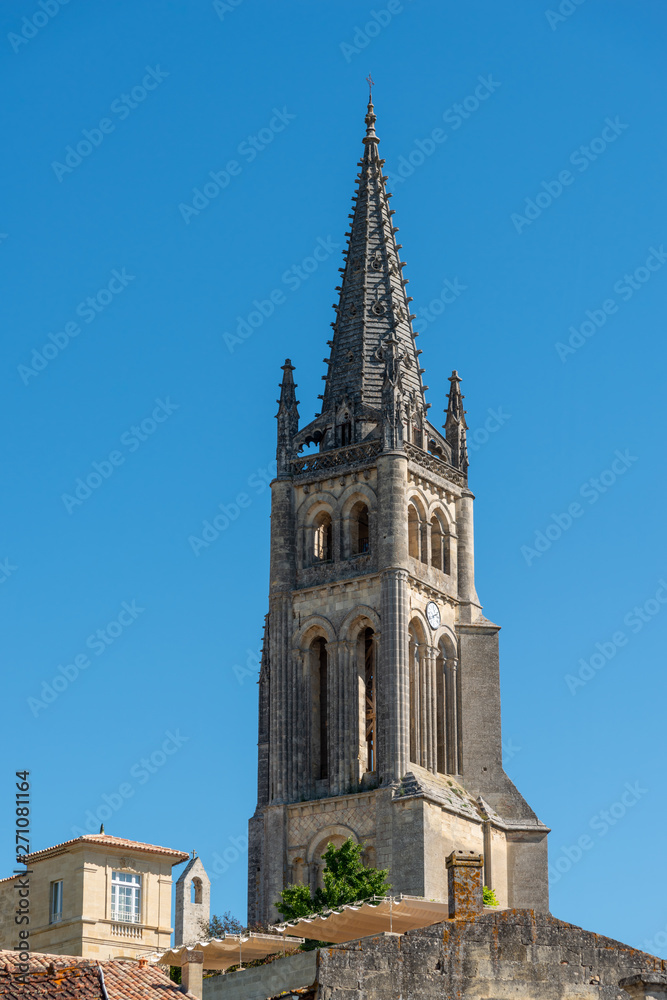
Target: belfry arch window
x,y
323,538
414,532
366,682
439,545
319,709
448,719
415,696
369,700
196,892
359,533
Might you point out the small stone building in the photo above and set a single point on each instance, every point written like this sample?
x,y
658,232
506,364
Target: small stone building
x,y
193,903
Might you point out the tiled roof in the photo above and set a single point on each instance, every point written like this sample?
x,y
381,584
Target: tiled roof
x,y
63,977
109,841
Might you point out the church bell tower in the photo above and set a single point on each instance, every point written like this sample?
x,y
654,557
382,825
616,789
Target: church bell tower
x,y
379,696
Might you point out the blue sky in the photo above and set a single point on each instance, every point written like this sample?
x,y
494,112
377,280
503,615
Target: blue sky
x,y
540,199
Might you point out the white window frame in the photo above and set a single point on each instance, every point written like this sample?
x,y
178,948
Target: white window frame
x,y
55,898
126,897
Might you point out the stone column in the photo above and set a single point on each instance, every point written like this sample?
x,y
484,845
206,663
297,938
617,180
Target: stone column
x,y
422,711
282,578
430,657
452,721
392,701
337,539
192,973
393,681
426,543
464,881
340,720
469,607
300,755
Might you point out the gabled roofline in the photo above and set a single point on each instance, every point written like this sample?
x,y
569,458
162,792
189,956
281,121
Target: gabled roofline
x,y
107,841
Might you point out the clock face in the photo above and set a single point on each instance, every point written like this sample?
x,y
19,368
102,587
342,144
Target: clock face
x,y
433,614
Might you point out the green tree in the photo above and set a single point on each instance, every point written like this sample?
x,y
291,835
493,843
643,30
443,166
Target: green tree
x,y
219,926
346,880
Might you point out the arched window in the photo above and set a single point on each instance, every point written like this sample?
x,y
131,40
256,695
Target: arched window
x,y
439,545
323,538
359,538
369,698
415,692
320,720
297,871
417,435
346,433
414,532
196,890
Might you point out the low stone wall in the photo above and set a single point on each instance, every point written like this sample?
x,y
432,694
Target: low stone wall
x,y
507,955
291,973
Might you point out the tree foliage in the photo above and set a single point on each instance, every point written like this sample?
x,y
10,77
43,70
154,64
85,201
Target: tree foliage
x,y
346,880
489,897
219,926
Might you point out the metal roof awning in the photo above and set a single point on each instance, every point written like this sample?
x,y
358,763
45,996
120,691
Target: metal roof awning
x,y
232,949
384,913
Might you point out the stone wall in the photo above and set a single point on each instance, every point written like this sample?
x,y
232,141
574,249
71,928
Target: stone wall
x,y
506,955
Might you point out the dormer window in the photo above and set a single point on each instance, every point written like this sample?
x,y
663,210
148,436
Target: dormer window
x,y
126,897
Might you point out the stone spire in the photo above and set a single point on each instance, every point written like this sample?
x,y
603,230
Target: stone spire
x,y
372,304
455,425
288,419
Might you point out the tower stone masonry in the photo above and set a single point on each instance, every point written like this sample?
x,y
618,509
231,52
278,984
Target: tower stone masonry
x,y
379,695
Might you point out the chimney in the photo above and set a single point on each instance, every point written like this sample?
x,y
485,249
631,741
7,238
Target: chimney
x,y
464,880
645,986
192,971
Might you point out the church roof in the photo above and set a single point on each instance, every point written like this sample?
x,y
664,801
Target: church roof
x,y
373,303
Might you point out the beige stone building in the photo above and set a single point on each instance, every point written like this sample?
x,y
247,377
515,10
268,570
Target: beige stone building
x,y
379,714
98,897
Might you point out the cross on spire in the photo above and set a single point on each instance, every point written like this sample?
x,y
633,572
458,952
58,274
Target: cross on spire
x,y
371,83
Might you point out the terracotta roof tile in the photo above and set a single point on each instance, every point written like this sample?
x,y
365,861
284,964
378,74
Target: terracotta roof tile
x,y
109,841
65,977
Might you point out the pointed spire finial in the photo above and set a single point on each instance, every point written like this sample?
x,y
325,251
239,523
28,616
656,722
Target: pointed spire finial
x,y
288,418
370,113
455,425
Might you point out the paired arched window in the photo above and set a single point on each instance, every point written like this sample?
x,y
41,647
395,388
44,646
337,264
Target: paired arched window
x,y
448,719
323,537
434,703
359,529
439,545
419,533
